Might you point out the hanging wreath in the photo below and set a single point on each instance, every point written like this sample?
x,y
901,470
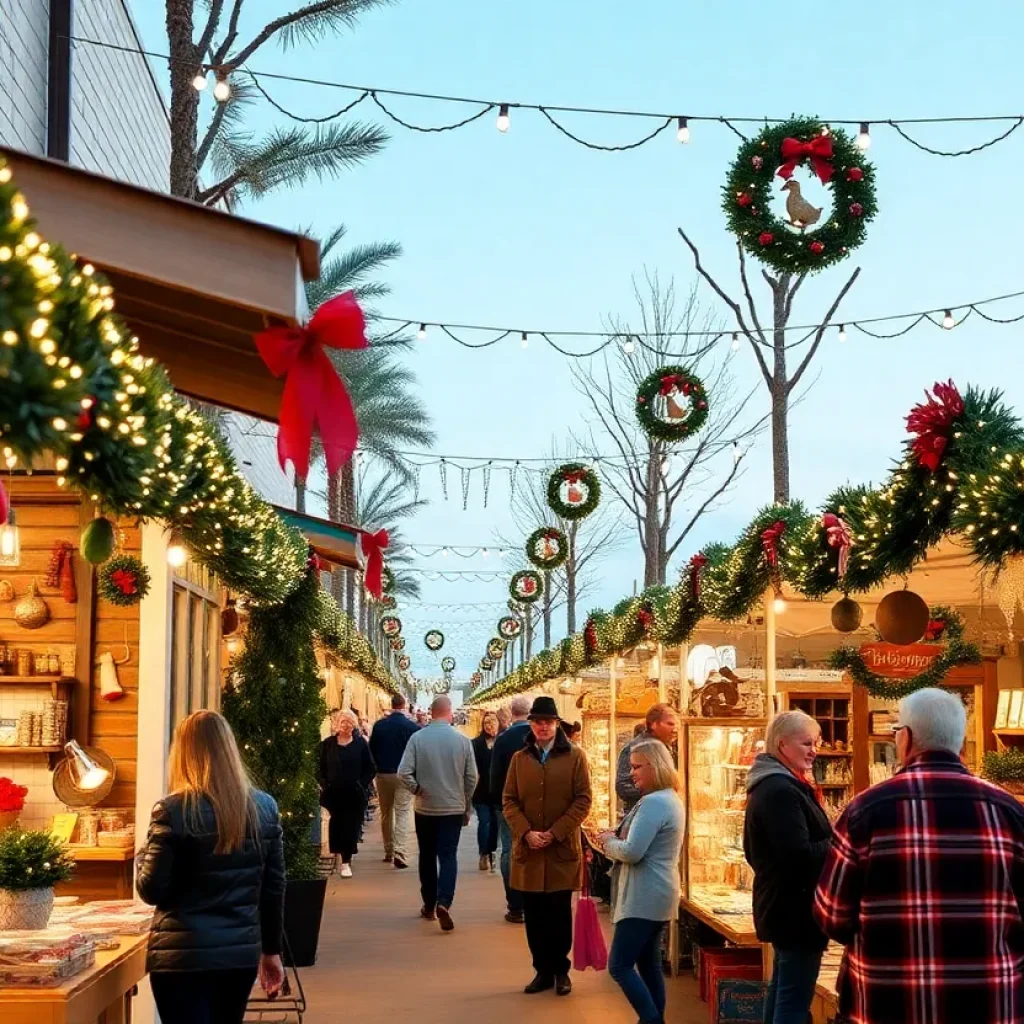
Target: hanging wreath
x,y
509,627
388,603
391,625
476,678
486,664
945,625
405,663
448,664
803,242
387,580
671,404
123,580
434,640
547,548
527,586
496,648
582,491
397,643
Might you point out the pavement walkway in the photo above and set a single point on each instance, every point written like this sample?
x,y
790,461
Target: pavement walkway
x,y
380,963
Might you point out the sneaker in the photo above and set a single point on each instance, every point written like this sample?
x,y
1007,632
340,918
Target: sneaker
x,y
444,916
563,986
427,914
346,870
485,862
515,917
400,863
539,984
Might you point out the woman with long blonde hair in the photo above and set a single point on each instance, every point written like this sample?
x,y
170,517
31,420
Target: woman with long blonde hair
x,y
213,866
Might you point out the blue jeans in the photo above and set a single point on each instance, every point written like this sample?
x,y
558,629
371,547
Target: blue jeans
x,y
486,828
438,838
634,962
513,898
792,986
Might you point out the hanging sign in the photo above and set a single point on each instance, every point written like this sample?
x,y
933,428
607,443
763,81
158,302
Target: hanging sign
x,y
899,662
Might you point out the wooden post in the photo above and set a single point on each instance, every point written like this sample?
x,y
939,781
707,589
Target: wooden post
x,y
769,651
612,759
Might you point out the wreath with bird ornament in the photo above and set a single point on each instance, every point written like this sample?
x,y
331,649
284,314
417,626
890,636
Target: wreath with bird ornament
x,y
809,238
547,548
671,404
582,491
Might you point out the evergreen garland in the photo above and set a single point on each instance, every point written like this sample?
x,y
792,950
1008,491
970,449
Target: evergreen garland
x,y
849,659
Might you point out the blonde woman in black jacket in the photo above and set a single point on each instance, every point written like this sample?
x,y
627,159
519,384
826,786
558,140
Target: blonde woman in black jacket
x,y
213,866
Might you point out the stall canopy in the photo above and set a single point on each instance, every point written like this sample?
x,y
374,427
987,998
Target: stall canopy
x,y
333,542
195,284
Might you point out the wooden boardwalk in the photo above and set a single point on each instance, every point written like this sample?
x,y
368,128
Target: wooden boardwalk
x,y
379,963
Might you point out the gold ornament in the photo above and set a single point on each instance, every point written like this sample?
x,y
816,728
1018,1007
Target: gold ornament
x,y
31,611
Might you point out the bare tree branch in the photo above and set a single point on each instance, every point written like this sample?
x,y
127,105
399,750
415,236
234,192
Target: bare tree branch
x,y
806,361
216,7
229,40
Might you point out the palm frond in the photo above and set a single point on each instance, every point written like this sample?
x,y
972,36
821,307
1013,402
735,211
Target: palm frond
x,y
328,16
349,271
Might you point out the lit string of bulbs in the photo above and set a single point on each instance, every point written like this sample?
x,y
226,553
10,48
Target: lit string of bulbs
x,y
222,93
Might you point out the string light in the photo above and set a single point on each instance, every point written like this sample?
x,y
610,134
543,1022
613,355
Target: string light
x,y
682,130
736,452
422,332
864,137
947,321
842,333
199,82
779,605
525,341
735,342
503,119
628,346
221,89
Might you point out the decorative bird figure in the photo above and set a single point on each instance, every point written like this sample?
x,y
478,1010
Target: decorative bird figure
x,y
801,214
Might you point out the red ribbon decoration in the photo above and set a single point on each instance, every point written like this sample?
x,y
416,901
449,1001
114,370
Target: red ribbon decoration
x,y
936,627
672,382
697,564
370,550
818,151
838,535
932,422
313,392
770,542
125,581
574,476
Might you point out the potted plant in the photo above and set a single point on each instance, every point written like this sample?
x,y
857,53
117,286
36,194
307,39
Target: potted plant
x,y
31,864
1005,768
12,800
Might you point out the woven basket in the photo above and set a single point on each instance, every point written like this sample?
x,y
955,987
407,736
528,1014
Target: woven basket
x,y
116,840
25,911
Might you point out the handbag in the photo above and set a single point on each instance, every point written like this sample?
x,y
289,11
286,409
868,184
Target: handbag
x,y
588,945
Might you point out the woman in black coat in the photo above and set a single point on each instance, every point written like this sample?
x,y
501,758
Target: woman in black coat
x,y
786,837
345,774
213,867
486,806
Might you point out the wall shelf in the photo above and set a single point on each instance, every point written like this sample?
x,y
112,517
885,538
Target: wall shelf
x,y
53,682
29,750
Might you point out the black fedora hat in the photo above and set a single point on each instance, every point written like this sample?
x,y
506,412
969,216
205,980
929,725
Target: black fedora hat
x,y
545,707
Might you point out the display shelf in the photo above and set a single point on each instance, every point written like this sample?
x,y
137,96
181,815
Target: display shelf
x,y
36,680
30,750
100,853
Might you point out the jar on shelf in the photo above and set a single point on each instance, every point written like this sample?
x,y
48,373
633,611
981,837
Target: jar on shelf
x,y
41,664
24,663
53,663
88,828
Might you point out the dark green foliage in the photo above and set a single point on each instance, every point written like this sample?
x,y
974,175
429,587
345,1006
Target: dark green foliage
x,y
32,860
561,508
1003,765
695,396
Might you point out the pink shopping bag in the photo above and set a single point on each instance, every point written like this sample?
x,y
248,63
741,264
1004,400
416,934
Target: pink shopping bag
x,y
588,945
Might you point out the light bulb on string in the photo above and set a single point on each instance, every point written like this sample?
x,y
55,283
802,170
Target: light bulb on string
x,y
525,341
177,553
947,321
503,119
736,456
222,89
682,130
864,137
422,332
735,342
628,346
444,552
842,333
199,82
779,604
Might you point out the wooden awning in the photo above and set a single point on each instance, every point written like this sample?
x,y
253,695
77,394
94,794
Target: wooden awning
x,y
195,284
333,542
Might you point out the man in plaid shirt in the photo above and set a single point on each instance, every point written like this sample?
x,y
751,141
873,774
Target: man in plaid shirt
x,y
924,885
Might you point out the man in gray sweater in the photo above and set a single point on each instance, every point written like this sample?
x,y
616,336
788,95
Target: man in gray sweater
x,y
439,768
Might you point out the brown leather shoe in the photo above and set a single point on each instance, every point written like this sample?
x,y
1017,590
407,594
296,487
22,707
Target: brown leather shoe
x,y
427,914
445,917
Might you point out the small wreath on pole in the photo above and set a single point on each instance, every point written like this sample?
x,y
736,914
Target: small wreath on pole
x,y
799,244
405,663
434,640
509,627
390,625
388,603
527,586
671,404
486,664
476,678
582,491
496,648
397,643
547,548
387,580
123,580
448,664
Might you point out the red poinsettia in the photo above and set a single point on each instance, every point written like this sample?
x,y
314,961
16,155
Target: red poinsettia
x,y
935,629
12,796
932,421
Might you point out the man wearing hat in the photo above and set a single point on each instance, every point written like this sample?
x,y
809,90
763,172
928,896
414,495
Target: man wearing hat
x,y
546,798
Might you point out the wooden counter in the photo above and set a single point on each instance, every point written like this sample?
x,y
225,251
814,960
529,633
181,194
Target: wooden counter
x,y
100,995
101,874
719,924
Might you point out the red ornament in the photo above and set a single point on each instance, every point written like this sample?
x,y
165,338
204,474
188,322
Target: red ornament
x,y
817,248
744,199
856,210
854,174
766,238
645,618
757,162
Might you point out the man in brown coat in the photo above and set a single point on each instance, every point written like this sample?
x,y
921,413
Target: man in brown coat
x,y
547,796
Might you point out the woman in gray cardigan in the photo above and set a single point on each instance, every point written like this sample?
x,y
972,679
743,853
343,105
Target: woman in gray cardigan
x,y
645,879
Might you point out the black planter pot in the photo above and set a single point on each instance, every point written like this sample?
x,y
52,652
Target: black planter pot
x,y
303,909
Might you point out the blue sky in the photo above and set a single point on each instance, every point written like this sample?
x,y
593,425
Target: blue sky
x,y
529,229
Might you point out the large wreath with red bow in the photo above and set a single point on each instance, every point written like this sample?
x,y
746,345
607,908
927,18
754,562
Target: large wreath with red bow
x,y
547,548
789,245
573,492
671,404
526,586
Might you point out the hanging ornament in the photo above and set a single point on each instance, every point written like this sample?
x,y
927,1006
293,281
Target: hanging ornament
x,y
123,580
496,648
31,612
99,539
846,615
547,548
229,618
448,664
397,643
671,404
60,572
1009,584
509,627
527,586
434,640
390,625
902,617
573,491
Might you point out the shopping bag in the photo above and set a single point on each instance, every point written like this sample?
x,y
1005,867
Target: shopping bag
x,y
588,946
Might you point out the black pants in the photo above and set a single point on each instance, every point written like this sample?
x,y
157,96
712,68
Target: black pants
x,y
549,930
438,837
202,997
346,825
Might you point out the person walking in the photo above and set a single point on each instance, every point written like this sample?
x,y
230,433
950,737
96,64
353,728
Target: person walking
x,y
547,797
645,879
388,741
439,768
924,884
345,772
484,801
213,867
662,723
786,836
509,743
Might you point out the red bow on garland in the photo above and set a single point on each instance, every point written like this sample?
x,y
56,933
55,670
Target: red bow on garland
x,y
674,381
935,629
313,392
574,476
838,535
932,422
818,151
770,542
125,581
697,565
645,617
370,553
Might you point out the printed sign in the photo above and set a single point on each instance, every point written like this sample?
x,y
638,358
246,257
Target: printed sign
x,y
896,662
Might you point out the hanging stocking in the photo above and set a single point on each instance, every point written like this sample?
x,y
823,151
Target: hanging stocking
x,y
110,688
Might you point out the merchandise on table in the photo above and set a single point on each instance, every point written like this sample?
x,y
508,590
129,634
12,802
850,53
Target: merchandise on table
x,y
40,959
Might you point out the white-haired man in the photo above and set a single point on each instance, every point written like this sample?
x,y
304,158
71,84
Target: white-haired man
x,y
506,746
924,884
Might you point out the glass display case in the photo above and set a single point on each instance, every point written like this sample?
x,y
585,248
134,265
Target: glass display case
x,y
596,733
718,879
